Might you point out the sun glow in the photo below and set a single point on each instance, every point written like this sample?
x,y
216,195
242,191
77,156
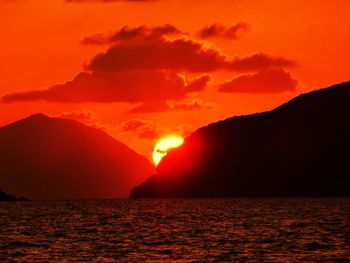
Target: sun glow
x,y
164,145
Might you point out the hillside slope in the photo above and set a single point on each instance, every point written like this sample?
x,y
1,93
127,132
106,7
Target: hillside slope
x,y
53,158
301,148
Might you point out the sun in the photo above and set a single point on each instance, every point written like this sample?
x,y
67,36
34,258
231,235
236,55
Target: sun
x,y
164,145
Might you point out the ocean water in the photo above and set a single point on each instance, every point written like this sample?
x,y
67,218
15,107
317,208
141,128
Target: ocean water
x,y
188,230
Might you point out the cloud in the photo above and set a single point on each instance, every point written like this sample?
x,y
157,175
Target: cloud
x,y
151,107
144,129
83,115
133,34
163,106
121,86
224,32
143,66
151,88
198,84
195,104
179,54
259,61
147,129
144,47
272,80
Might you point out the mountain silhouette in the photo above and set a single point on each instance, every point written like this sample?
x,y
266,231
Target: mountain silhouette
x,y
54,158
6,197
301,148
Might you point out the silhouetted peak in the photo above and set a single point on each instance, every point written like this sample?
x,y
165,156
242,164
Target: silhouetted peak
x,y
31,120
39,116
297,149
330,95
6,197
40,119
44,157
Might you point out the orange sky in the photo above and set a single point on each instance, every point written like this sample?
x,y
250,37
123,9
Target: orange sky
x,y
41,45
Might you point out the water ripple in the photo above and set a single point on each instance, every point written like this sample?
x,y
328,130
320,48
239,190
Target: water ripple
x,y
208,230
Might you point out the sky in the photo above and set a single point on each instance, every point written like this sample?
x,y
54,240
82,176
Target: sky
x,y
144,69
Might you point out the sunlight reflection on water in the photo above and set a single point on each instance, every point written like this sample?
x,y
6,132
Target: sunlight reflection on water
x,y
186,230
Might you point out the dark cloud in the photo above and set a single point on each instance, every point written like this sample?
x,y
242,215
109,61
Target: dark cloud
x,y
179,55
144,47
272,80
121,86
143,66
147,129
149,87
195,104
133,34
83,115
259,61
163,106
198,84
144,129
224,32
151,107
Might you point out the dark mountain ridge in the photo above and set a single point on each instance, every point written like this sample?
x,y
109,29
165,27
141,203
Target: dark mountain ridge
x,y
298,149
54,158
6,197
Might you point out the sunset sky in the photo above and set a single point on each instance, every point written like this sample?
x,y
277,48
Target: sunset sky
x,y
145,69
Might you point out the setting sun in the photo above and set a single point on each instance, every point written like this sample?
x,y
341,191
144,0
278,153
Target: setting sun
x,y
164,145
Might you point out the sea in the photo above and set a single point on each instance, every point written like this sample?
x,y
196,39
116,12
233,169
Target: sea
x,y
176,230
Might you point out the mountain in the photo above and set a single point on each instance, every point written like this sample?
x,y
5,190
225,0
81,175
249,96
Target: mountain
x,y
54,158
6,197
301,148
